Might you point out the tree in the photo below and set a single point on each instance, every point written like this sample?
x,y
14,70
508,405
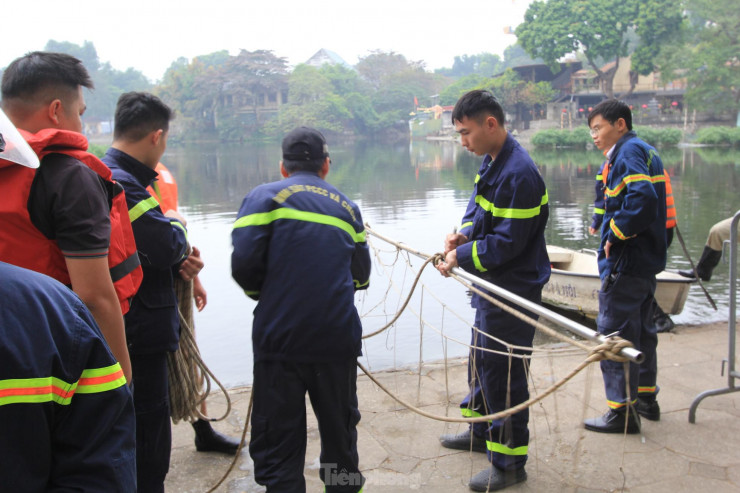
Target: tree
x,y
710,58
516,56
345,80
379,66
450,94
598,29
109,82
485,64
307,84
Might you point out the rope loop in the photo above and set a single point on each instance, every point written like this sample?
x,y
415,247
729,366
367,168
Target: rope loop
x,y
437,258
610,348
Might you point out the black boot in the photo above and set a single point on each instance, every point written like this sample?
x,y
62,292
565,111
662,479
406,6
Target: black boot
x,y
209,440
708,261
662,321
613,422
494,479
648,408
463,441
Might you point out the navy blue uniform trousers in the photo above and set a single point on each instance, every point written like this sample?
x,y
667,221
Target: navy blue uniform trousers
x,y
626,307
498,382
153,426
278,443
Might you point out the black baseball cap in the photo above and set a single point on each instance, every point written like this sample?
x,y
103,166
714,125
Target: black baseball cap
x,y
304,144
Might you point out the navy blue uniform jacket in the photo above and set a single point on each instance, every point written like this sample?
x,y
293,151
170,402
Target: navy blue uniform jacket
x,y
634,217
505,224
152,323
66,413
300,250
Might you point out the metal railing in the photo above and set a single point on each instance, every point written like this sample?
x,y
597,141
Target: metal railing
x,y
731,329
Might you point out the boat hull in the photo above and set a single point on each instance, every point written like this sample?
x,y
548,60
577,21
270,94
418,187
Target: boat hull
x,y
574,284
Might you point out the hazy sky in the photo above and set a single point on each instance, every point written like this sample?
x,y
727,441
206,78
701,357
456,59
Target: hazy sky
x,y
150,34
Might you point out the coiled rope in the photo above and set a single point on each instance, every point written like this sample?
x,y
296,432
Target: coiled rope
x,y
189,377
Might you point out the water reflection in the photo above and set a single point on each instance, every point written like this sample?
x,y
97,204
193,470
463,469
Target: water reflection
x,y
416,193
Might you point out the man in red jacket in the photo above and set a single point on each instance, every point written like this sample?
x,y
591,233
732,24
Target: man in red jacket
x,y
64,209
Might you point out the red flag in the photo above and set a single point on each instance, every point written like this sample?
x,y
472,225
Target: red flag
x,y
416,102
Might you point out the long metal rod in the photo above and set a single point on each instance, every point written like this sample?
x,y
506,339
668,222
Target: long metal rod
x,y
731,329
630,353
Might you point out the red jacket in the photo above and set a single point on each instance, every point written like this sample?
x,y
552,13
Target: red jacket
x,y
22,244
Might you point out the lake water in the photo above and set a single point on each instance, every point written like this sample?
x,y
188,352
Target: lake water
x,y
416,193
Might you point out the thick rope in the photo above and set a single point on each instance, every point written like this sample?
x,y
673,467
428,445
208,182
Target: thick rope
x,y
241,445
606,350
187,372
405,303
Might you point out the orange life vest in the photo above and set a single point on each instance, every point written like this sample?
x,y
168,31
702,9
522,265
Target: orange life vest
x,y
22,244
670,205
164,190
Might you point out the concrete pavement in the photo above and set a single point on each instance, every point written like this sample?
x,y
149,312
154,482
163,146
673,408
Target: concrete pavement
x,y
400,452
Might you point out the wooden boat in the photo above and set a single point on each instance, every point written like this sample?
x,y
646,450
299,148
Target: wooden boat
x,y
574,283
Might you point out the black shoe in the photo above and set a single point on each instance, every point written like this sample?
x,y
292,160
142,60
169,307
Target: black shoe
x,y
613,422
648,408
494,479
687,273
462,441
209,440
664,324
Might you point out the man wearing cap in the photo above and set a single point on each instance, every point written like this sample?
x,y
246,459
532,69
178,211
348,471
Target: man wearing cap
x,y
300,251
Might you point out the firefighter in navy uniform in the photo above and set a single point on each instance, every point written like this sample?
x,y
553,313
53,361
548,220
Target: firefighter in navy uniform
x,y
66,414
300,250
632,252
663,322
501,240
152,323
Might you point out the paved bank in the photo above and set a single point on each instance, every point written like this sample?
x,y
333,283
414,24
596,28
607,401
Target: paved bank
x,y
400,451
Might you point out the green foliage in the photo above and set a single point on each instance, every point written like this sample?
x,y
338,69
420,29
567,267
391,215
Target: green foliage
x,y
599,29
450,94
97,149
711,56
483,64
109,82
659,137
719,136
552,138
580,137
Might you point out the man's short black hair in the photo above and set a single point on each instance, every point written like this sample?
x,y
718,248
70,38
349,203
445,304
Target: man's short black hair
x,y
476,104
42,74
612,110
138,114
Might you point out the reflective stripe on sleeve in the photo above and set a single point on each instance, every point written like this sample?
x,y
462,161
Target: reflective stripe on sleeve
x,y
617,232
264,218
101,379
53,389
142,208
504,212
632,179
476,259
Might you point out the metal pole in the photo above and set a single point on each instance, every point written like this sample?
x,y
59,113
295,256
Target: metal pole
x,y
630,353
731,373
